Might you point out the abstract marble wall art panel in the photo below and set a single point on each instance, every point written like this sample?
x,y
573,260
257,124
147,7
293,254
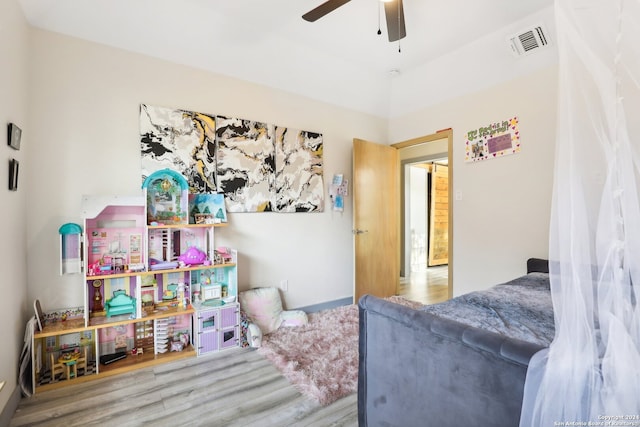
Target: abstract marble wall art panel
x,y
299,185
257,166
245,164
181,140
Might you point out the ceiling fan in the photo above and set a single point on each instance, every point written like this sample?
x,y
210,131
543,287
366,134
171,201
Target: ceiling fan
x,y
393,11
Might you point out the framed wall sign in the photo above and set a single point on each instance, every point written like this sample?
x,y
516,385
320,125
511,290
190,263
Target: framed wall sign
x,y
494,140
14,133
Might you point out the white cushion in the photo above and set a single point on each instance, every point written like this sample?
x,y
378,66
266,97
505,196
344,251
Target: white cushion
x,y
294,318
263,306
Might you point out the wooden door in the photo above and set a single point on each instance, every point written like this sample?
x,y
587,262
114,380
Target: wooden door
x,y
439,216
376,227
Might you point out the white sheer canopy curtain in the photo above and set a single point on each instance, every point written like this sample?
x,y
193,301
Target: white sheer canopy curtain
x,y
591,371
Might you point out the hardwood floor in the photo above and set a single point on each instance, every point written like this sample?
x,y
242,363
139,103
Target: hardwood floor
x,y
232,388
425,285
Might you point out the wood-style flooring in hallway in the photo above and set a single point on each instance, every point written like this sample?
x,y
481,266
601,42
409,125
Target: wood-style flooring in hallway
x,y
425,285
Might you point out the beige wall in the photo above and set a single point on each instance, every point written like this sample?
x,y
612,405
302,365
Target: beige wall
x,y
14,307
503,216
85,101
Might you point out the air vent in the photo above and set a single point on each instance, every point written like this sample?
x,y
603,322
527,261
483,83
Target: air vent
x,y
529,41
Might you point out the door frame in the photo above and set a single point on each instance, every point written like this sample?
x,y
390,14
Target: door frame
x,y
439,135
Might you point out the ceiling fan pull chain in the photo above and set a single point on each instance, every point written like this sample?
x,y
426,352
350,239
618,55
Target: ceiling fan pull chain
x,y
379,7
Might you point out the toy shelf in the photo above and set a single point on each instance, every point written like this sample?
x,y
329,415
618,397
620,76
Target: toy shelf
x,y
102,322
133,362
152,272
194,268
178,226
77,325
60,328
130,362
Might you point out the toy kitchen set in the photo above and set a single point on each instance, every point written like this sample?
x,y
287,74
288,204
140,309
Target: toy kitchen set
x,y
156,287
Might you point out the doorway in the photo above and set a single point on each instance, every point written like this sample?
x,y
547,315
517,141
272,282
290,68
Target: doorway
x,y
377,205
424,228
425,218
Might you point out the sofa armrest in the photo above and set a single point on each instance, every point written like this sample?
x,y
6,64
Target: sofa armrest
x,y
415,366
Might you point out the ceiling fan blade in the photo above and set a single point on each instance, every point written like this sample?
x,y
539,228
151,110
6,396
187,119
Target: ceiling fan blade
x,y
395,20
323,9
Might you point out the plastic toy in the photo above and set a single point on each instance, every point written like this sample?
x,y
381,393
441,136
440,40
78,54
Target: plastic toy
x,y
193,256
121,303
254,336
225,255
170,293
167,197
156,264
70,248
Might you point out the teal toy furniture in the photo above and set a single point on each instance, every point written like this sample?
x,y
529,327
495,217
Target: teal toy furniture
x,y
121,303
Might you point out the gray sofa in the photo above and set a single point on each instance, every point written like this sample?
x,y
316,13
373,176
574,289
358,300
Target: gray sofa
x,y
420,368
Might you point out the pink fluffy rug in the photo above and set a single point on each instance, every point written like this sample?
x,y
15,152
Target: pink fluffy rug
x,y
321,358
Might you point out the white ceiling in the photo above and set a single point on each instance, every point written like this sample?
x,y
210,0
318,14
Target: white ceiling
x,y
338,59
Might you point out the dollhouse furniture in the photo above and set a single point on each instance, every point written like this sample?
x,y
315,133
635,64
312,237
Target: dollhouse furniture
x,y
218,328
121,303
70,366
171,293
167,196
97,296
210,291
148,303
144,339
81,363
71,362
56,367
70,248
225,254
155,264
120,227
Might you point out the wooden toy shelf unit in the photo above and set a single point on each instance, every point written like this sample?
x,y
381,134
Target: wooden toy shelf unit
x,y
142,284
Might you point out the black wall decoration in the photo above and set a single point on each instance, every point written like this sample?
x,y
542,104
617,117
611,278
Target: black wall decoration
x,y
14,134
13,174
